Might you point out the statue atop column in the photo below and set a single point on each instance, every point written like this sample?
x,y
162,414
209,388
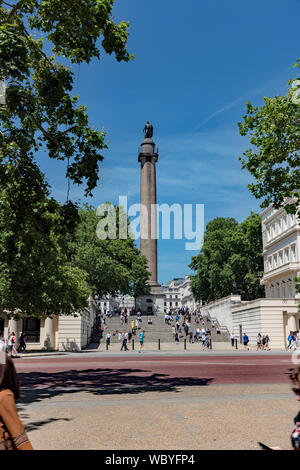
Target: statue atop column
x,y
148,130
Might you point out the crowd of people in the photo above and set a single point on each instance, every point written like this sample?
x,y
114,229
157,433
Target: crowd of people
x,y
294,340
180,322
11,345
182,327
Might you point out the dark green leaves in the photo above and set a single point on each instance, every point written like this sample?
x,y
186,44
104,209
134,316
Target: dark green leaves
x,y
230,261
274,158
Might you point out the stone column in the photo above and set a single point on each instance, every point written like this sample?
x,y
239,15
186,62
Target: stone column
x,y
148,215
13,326
48,333
292,325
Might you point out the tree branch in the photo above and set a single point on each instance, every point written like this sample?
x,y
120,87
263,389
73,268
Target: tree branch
x,y
46,134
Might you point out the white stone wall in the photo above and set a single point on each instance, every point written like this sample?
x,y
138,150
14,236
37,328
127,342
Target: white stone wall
x,y
74,331
221,310
275,317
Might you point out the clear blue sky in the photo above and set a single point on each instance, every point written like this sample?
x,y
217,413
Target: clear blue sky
x,y
196,65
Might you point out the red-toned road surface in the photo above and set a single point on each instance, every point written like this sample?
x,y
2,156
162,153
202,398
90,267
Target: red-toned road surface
x,y
139,371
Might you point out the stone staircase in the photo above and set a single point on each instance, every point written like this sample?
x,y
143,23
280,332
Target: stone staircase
x,y
160,330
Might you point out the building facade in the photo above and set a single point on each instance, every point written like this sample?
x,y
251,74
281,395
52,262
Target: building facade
x,y
281,252
278,313
177,294
62,333
109,303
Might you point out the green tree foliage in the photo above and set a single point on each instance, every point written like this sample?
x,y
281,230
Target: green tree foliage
x,y
112,265
40,110
40,40
274,158
36,276
230,260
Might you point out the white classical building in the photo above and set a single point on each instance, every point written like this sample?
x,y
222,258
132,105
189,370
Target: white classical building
x,y
278,313
177,294
109,303
281,252
62,333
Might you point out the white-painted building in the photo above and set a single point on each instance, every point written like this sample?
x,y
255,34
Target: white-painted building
x,y
278,313
109,303
281,252
177,294
62,333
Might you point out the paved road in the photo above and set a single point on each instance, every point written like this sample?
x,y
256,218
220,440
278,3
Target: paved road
x,y
152,371
156,402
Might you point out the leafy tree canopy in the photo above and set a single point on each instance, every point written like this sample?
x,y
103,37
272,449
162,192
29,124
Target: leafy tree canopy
x,y
40,110
36,276
40,40
112,265
274,158
230,260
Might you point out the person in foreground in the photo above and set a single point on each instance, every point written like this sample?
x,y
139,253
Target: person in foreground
x,y
295,436
12,431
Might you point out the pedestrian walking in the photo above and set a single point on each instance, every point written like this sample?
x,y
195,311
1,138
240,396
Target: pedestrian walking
x,y
12,431
232,339
124,341
108,336
267,341
21,343
293,342
11,345
141,340
245,341
119,336
258,342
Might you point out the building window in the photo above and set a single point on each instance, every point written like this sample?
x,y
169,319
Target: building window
x,y
270,263
31,328
279,225
293,253
286,255
280,258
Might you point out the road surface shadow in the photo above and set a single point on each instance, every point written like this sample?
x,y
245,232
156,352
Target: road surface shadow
x,y
37,424
36,386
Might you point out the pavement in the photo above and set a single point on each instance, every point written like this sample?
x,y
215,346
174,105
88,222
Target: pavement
x,y
164,348
166,400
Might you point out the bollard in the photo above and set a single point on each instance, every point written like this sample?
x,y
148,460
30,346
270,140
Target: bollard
x,y
106,346
184,343
133,345
210,344
235,343
159,344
